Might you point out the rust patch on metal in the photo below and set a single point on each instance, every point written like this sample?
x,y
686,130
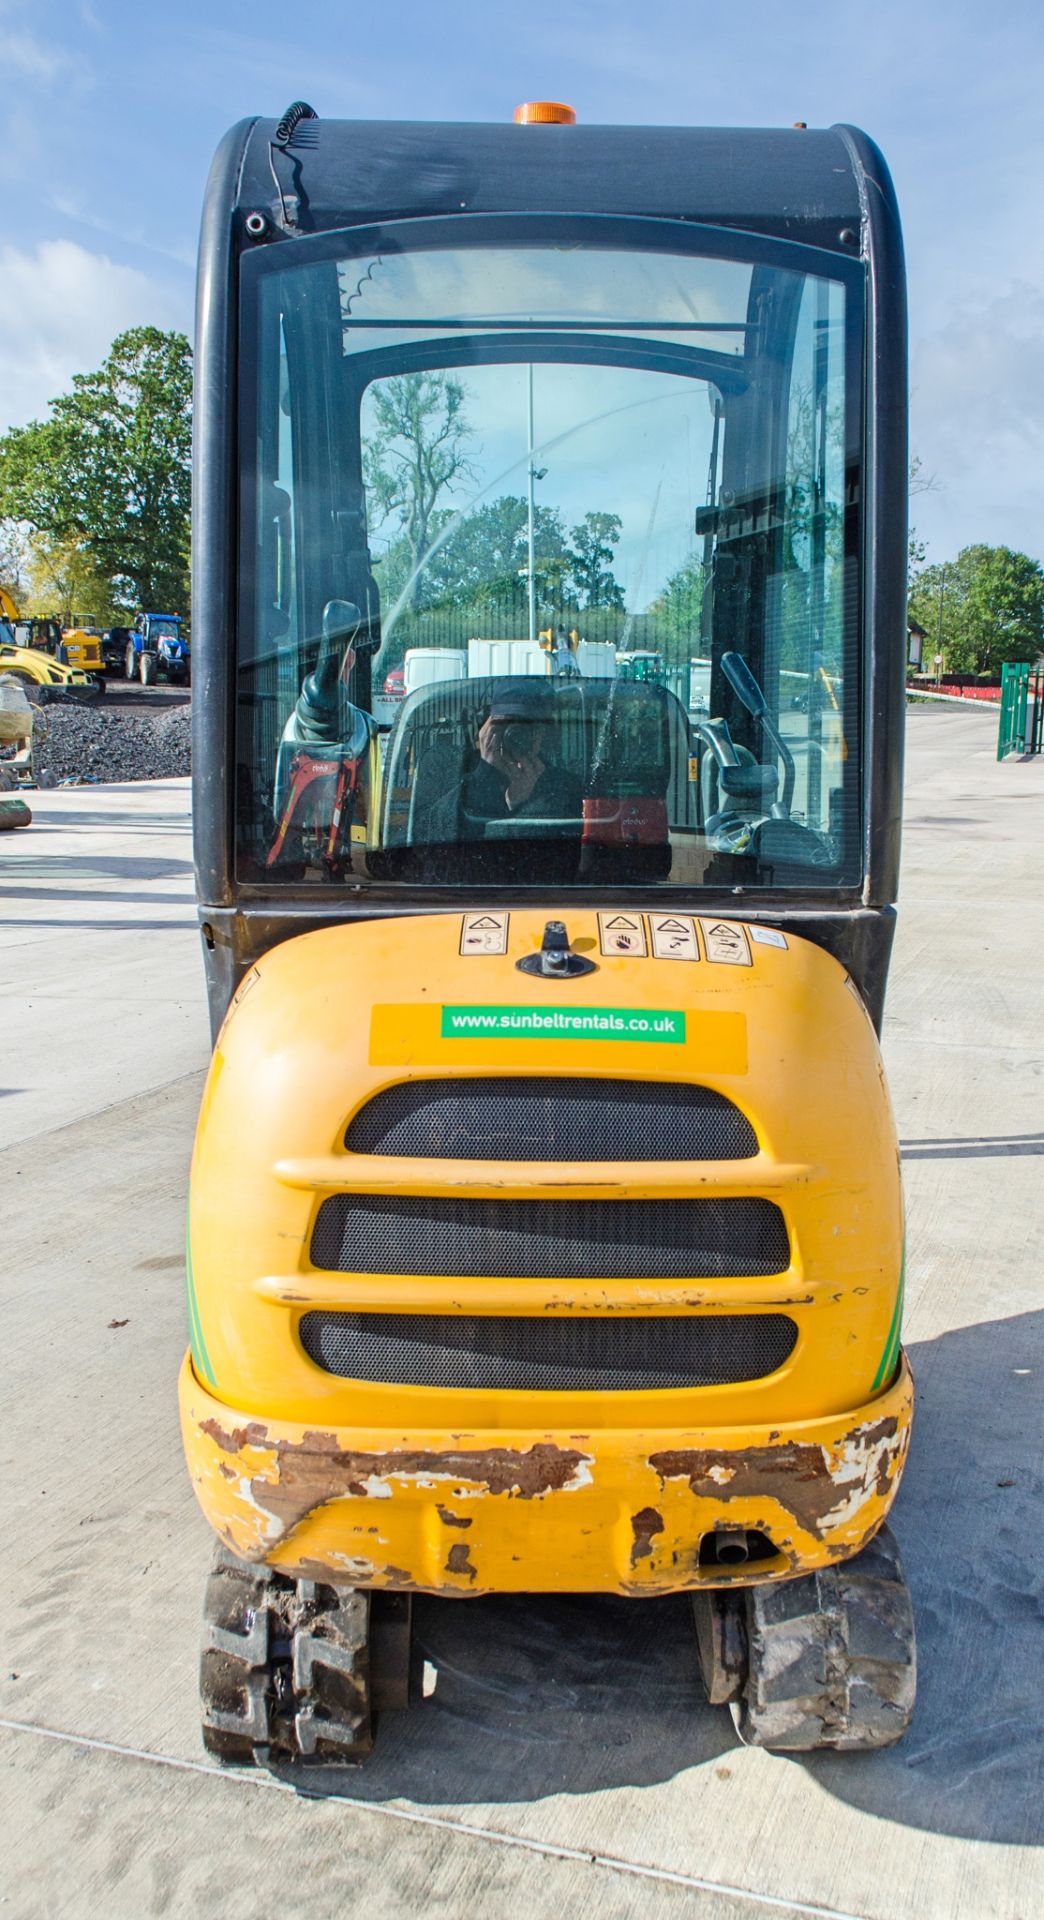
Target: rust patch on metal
x,y
452,1519
644,1525
254,1434
227,1473
878,1436
398,1579
796,1473
315,1469
459,1561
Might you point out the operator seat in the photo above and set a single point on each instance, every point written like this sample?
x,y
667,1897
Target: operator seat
x,y
636,783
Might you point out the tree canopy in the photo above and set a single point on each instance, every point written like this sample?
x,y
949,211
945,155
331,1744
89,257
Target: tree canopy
x,y
415,457
415,452
107,475
678,610
485,556
591,562
477,563
62,579
983,608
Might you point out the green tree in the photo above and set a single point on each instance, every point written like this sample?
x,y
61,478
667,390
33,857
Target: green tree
x,y
415,451
591,562
983,608
394,567
108,473
64,580
474,577
483,561
678,612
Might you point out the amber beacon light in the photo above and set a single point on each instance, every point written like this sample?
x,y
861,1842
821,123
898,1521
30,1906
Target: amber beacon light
x,y
544,113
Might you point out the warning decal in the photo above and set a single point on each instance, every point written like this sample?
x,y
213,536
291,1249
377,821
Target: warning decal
x,y
767,936
673,936
726,943
484,933
622,933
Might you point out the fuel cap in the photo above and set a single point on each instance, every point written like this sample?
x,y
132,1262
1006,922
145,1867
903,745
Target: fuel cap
x,y
556,959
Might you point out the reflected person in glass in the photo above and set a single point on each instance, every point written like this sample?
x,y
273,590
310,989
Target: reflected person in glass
x,y
514,776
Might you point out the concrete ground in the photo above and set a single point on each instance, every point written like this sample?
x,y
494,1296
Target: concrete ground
x,y
566,1762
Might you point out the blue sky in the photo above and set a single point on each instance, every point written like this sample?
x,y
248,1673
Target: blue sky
x,y
112,111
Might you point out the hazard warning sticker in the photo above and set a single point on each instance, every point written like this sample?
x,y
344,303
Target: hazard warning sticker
x,y
622,933
725,943
673,936
767,936
484,933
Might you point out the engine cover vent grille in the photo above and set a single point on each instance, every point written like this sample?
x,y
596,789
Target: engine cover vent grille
x,y
550,1239
546,1119
618,1354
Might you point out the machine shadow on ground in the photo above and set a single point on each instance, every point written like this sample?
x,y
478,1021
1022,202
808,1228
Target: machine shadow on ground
x,y
537,1696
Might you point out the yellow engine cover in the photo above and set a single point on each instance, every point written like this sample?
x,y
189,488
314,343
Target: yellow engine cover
x,y
83,650
468,1490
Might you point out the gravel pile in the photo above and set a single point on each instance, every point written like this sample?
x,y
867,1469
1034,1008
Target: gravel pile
x,y
88,743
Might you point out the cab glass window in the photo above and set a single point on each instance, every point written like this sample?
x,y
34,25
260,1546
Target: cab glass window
x,y
549,569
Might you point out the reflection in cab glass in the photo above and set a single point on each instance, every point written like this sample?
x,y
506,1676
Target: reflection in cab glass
x,y
555,571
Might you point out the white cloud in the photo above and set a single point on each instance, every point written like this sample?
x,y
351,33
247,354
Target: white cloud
x,y
24,54
60,310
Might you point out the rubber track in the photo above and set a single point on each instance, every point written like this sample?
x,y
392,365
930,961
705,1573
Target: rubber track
x,y
284,1670
832,1657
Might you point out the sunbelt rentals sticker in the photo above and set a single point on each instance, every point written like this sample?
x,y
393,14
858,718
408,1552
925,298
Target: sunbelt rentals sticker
x,y
582,1023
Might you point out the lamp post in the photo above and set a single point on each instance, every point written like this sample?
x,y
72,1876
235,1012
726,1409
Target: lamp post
x,y
533,475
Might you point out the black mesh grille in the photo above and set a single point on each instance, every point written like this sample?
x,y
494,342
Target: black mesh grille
x,y
544,1119
550,1239
449,1350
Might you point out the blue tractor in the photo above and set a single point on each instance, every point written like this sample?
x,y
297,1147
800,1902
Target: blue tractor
x,y
157,649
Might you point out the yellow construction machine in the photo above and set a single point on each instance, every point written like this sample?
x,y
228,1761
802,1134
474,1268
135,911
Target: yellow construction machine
x,y
545,1229
81,647
32,665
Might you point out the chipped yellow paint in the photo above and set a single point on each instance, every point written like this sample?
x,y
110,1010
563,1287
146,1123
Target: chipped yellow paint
x,y
549,1511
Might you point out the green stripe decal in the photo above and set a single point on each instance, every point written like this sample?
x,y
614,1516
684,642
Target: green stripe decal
x,y
200,1355
891,1352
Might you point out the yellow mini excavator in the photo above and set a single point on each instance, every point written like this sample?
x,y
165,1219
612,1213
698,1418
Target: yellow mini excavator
x,y
545,1229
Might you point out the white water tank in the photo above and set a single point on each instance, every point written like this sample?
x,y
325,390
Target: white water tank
x,y
596,659
487,658
424,665
699,685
